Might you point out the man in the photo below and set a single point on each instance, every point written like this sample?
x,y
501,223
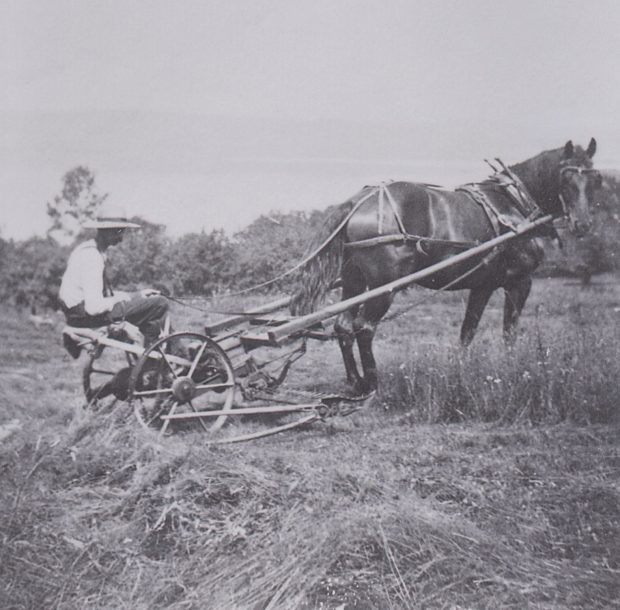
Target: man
x,y
85,294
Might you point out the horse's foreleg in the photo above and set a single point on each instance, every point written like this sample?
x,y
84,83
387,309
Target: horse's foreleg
x,y
346,339
476,303
516,296
365,327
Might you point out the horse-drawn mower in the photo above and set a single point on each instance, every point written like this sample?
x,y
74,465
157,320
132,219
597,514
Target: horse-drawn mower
x,y
209,377
381,241
188,378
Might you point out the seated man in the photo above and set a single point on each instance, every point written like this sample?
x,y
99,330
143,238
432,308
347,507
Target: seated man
x,y
85,294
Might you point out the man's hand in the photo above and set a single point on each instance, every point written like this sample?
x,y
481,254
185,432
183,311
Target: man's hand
x,y
149,292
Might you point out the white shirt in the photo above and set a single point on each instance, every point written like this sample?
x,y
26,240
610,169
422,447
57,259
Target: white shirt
x,y
83,280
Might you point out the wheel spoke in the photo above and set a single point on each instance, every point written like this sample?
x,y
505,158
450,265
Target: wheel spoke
x,y
197,360
204,426
160,391
173,408
163,355
215,386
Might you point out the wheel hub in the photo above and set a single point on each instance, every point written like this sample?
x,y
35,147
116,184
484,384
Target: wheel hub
x,y
183,389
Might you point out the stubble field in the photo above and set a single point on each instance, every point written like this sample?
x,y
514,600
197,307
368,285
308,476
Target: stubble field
x,y
486,478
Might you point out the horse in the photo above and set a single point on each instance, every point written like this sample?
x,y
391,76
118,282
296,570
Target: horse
x,y
388,231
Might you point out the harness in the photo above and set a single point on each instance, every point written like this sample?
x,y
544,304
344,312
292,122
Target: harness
x,y
579,171
510,182
517,192
403,235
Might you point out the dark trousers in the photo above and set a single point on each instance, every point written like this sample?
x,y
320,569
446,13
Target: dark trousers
x,y
147,313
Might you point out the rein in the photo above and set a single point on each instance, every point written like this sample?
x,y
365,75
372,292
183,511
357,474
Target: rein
x,y
286,273
179,300
305,260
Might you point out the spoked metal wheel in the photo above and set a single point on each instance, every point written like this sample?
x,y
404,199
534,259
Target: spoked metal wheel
x,y
102,366
178,378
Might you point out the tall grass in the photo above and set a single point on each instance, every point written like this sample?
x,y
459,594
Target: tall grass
x,y
562,368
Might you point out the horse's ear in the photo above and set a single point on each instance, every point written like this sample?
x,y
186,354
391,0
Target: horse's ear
x,y
569,150
591,148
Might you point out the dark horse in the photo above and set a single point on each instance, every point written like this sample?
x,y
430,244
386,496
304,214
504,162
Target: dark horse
x,y
386,232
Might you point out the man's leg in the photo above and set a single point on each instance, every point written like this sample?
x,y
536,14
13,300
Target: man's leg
x,y
147,313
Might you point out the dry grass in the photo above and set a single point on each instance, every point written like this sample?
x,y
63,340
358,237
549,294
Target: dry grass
x,y
516,505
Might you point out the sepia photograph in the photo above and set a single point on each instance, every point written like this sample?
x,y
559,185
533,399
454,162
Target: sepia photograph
x,y
309,305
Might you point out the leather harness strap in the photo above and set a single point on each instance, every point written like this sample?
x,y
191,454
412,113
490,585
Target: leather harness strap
x,y
403,235
515,189
474,191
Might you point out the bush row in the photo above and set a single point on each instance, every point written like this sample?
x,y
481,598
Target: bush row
x,y
203,263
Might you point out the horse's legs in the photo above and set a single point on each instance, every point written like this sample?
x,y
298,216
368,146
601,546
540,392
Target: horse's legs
x,y
516,295
346,339
353,284
365,327
477,301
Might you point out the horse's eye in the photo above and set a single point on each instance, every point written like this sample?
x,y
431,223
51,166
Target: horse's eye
x,y
569,172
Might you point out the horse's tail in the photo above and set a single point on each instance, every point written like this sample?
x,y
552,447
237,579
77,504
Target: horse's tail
x,y
323,269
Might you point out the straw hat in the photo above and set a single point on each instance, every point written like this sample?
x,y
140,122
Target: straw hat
x,y
110,217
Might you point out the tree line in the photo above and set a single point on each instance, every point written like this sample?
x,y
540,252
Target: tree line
x,y
208,263
203,263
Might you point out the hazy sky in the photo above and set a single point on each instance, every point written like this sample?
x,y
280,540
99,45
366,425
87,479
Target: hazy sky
x,y
208,113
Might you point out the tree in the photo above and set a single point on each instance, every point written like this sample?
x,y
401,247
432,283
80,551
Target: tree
x,y
77,202
201,263
274,243
30,271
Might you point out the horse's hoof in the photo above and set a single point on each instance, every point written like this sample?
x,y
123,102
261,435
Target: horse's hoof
x,y
364,388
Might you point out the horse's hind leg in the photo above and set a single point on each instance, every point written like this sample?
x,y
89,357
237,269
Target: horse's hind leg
x,y
346,339
516,296
353,284
476,304
365,327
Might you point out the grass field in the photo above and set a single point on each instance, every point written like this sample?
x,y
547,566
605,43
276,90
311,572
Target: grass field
x,y
486,478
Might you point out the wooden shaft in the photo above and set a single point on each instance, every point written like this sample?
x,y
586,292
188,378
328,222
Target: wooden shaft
x,y
245,411
279,333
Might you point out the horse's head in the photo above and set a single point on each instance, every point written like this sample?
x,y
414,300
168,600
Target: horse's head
x,y
577,184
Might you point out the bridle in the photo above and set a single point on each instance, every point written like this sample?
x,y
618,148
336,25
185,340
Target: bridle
x,y
579,170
